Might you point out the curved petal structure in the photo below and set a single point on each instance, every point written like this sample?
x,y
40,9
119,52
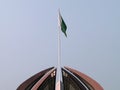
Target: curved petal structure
x,y
75,80
44,80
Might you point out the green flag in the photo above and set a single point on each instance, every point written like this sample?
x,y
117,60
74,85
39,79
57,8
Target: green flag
x,y
62,24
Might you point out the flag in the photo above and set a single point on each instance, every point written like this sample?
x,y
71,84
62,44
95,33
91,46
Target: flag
x,y
62,24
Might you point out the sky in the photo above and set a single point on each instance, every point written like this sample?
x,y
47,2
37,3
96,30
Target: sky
x,y
29,39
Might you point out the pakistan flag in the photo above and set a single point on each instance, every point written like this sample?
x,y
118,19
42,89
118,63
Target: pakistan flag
x,y
62,24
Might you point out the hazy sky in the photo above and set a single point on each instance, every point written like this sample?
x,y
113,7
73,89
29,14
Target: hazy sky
x,y
28,39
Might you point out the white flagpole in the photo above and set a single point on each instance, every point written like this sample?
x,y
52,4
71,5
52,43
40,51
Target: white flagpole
x,y
59,48
58,81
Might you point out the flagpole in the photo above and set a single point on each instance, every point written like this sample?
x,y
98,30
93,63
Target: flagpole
x,y
62,27
59,50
